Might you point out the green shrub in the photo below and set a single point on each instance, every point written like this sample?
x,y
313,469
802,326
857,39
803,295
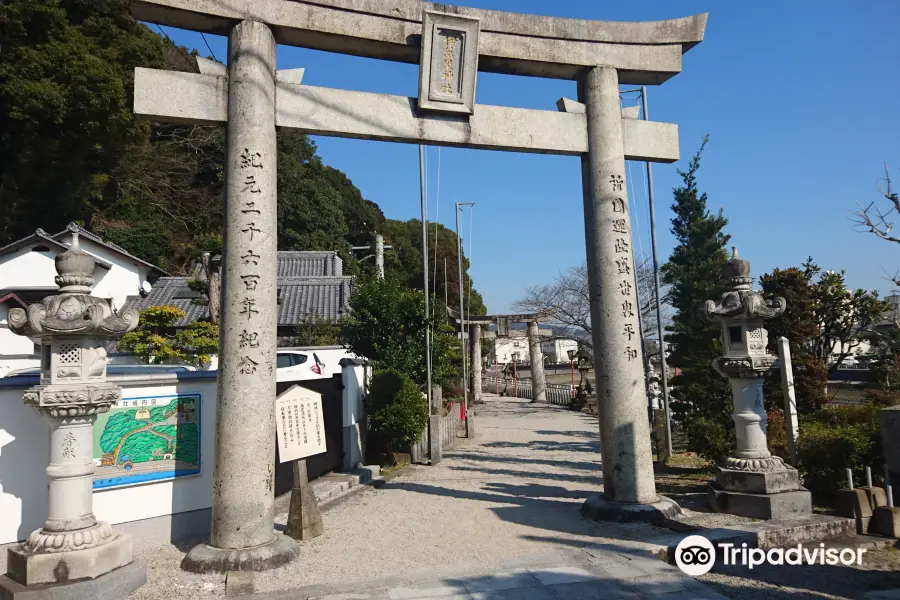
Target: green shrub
x,y
709,438
397,410
835,439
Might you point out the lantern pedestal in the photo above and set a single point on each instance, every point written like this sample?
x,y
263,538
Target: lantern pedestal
x,y
751,482
73,555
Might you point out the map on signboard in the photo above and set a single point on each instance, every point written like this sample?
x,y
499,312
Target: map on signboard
x,y
299,424
147,439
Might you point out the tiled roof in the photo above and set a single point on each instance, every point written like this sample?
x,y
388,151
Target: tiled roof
x,y
302,263
301,297
309,264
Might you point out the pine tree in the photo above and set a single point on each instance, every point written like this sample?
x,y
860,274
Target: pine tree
x,y
694,273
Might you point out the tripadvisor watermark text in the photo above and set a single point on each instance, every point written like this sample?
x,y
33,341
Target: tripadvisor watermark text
x,y
695,555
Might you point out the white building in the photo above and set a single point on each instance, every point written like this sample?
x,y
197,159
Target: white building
x,y
557,351
27,273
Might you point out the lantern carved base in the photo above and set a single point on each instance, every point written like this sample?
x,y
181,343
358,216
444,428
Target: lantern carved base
x,y
31,568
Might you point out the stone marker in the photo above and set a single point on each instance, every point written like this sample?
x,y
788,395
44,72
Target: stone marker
x,y
243,536
752,482
304,517
790,400
72,546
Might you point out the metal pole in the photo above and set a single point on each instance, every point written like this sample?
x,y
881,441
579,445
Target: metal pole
x,y
659,319
446,297
425,272
462,316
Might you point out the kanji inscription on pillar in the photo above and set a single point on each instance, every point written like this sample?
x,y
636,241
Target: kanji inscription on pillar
x,y
299,424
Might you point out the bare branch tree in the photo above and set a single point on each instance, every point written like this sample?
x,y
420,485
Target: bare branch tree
x,y
568,303
873,219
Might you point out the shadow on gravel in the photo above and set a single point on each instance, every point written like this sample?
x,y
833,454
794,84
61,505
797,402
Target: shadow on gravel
x,y
592,479
549,446
491,458
549,514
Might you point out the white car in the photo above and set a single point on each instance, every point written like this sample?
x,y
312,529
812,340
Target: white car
x,y
292,365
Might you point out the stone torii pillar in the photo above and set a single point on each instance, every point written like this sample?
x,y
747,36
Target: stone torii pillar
x,y
243,535
538,382
628,484
475,362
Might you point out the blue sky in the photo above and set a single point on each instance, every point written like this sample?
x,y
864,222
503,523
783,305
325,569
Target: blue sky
x,y
799,99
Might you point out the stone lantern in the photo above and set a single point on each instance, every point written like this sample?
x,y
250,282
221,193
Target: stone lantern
x,y
751,482
73,327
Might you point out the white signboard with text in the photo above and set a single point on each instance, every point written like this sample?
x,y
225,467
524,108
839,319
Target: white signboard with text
x,y
300,424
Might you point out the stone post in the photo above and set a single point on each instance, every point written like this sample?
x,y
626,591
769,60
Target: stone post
x,y
629,490
353,420
304,517
790,400
72,546
752,482
435,445
475,365
536,355
243,535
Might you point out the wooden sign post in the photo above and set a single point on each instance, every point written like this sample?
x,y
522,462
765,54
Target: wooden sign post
x,y
300,431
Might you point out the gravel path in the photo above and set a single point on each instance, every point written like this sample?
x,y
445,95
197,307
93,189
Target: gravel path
x,y
513,491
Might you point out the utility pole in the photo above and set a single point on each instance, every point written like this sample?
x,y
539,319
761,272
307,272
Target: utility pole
x,y
425,273
462,315
659,318
379,248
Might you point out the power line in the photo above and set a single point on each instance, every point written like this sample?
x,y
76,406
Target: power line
x,y
165,35
213,54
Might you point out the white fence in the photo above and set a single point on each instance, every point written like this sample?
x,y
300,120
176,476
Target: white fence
x,y
521,388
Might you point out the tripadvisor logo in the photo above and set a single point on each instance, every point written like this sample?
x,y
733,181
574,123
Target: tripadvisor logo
x,y
695,555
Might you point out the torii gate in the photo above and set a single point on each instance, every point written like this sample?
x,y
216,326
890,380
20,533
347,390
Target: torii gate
x,y
451,45
473,325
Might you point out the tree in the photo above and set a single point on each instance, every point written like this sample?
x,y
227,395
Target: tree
x,y
387,325
156,340
799,325
566,301
66,72
845,317
694,273
318,331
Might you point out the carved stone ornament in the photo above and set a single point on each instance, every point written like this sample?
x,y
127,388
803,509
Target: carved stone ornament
x,y
42,541
741,303
72,311
756,465
746,368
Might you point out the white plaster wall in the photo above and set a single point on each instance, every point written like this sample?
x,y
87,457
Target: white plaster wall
x,y
16,351
24,454
557,350
27,269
